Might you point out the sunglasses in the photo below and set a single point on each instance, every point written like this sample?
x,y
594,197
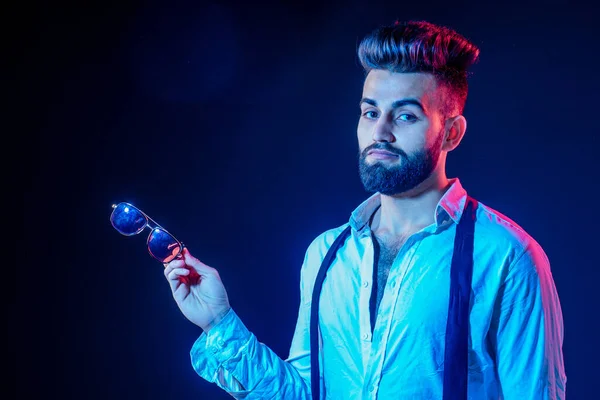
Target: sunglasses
x,y
130,220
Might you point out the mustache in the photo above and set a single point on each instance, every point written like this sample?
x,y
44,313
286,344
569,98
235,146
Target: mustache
x,y
383,146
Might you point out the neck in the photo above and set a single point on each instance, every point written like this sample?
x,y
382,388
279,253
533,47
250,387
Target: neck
x,y
408,212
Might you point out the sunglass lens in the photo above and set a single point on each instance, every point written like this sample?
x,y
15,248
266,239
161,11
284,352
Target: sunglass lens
x,y
163,246
127,219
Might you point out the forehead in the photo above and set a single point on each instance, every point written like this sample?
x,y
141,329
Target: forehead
x,y
386,87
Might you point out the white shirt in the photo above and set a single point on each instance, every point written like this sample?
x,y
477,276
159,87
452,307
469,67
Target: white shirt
x,y
516,325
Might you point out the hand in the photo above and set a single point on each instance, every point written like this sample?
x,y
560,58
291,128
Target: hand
x,y
197,290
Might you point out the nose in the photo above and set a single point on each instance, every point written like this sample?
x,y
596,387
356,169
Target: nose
x,y
382,131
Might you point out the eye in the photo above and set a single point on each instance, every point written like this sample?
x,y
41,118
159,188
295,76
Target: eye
x,y
407,118
370,114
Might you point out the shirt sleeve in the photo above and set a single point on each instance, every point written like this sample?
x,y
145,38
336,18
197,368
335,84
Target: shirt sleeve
x,y
527,331
230,356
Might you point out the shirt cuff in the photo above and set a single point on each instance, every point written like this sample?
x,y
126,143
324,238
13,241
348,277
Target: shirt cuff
x,y
222,342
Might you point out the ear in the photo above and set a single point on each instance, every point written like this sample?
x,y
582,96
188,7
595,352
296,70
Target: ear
x,y
455,129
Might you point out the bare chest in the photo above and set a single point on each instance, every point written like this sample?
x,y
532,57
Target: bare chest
x,y
388,249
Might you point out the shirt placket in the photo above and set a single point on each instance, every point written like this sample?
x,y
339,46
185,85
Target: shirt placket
x,y
383,323
366,276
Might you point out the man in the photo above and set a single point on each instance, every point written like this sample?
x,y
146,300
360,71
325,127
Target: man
x,y
384,304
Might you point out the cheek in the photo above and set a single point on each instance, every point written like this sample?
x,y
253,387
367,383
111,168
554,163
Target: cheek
x,y
435,138
411,140
363,134
419,136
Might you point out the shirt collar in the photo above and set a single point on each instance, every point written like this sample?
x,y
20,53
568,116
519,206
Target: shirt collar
x,y
450,207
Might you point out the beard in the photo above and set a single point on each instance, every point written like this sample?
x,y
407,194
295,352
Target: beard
x,y
410,172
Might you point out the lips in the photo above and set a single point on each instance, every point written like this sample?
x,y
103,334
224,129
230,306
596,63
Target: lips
x,y
381,153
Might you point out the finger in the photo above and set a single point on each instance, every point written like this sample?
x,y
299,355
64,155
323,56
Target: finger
x,y
198,265
173,265
175,277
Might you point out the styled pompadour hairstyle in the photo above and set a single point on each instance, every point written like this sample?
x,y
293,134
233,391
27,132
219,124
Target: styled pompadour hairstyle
x,y
420,46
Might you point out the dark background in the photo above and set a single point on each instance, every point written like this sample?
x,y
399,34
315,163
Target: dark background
x,y
233,125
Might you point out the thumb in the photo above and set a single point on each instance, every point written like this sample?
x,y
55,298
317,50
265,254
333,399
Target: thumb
x,y
193,262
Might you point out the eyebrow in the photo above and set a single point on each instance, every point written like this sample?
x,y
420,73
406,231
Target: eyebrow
x,y
395,104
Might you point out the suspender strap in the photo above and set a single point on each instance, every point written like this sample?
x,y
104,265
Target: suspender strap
x,y
456,354
457,328
315,381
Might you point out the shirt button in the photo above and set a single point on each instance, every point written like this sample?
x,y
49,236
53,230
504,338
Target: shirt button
x,y
221,343
393,284
366,284
372,388
366,336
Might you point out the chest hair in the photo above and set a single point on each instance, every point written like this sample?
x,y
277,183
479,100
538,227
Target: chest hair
x,y
388,251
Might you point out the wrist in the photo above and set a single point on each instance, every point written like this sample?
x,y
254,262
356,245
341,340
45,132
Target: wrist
x,y
218,318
